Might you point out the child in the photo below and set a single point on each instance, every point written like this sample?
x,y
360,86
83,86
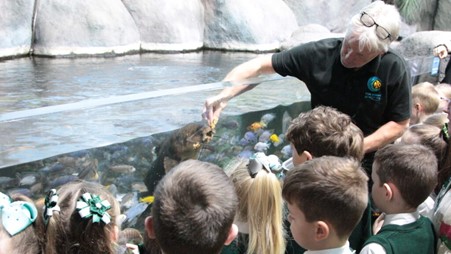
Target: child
x,y
260,207
17,225
81,217
326,198
425,101
444,90
324,131
193,210
403,176
327,131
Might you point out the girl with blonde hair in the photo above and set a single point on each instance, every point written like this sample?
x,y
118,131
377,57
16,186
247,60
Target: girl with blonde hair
x,y
260,210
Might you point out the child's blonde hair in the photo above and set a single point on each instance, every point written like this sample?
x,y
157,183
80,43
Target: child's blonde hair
x,y
261,205
25,242
66,231
425,94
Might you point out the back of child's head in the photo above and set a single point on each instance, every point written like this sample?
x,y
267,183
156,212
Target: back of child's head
x,y
326,131
437,119
444,89
411,168
80,217
18,234
194,207
330,189
261,206
425,94
427,135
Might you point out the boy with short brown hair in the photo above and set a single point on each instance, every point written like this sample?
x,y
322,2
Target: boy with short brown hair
x,y
326,198
403,176
193,211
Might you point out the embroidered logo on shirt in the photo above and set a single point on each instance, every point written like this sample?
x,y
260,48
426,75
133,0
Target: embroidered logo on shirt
x,y
374,85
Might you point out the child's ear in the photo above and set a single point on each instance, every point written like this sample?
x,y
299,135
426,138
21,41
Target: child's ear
x,y
233,232
418,107
322,230
388,191
308,155
148,225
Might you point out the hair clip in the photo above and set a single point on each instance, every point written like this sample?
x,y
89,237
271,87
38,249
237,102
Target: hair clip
x,y
260,161
445,132
50,205
17,215
93,206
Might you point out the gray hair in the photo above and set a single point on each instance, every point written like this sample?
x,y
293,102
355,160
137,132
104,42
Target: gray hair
x,y
386,16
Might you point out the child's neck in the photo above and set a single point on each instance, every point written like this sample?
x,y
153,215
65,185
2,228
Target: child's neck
x,y
400,209
330,243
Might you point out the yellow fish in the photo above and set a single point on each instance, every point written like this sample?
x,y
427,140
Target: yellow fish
x,y
274,138
256,126
148,199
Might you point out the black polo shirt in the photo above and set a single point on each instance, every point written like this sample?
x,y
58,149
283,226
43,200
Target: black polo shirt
x,y
373,95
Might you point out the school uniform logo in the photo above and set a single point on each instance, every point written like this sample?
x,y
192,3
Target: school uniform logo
x,y
374,86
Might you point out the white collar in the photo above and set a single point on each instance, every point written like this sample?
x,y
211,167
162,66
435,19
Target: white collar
x,y
401,218
345,249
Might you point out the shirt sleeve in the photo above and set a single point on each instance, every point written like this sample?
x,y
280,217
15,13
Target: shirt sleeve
x,y
400,89
373,248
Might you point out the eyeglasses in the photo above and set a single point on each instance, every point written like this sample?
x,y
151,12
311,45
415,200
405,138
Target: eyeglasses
x,y
368,21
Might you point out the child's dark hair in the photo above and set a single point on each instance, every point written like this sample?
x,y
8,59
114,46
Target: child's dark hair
x,y
194,208
66,231
411,168
326,131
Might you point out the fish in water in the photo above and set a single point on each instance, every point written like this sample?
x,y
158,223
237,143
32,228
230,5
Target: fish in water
x,y
277,140
261,146
148,199
267,118
286,152
122,169
182,144
265,136
286,121
249,137
256,126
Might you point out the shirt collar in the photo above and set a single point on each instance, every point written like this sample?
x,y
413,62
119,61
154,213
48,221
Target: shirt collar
x,y
401,218
345,249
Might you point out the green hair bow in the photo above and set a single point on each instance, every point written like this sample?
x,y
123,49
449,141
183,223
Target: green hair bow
x,y
93,206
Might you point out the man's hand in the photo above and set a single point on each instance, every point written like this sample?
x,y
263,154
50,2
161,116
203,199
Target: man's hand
x,y
212,109
440,51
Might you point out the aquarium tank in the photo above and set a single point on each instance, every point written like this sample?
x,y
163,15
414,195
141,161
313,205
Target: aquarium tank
x,y
125,121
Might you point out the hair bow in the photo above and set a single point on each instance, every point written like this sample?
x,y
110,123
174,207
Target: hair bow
x,y
260,161
50,205
17,215
93,206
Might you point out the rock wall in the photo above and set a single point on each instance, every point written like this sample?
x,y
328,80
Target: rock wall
x,y
110,27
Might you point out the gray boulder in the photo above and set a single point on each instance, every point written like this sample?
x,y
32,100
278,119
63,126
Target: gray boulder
x,y
251,25
84,27
333,14
417,50
308,33
168,25
443,18
15,27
